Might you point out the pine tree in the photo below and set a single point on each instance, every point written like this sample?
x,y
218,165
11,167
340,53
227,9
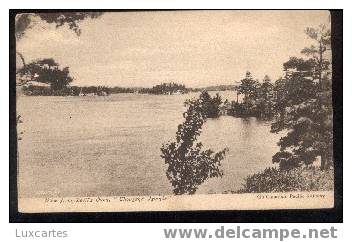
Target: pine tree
x,y
304,106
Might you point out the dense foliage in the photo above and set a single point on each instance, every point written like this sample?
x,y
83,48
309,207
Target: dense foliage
x,y
299,103
188,165
305,107
211,105
257,101
297,179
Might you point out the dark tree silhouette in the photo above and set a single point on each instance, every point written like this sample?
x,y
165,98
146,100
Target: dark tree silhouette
x,y
188,165
305,106
248,86
211,104
264,102
257,101
46,71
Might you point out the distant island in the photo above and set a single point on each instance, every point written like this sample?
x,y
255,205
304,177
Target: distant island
x,y
42,89
45,77
166,89
216,88
35,88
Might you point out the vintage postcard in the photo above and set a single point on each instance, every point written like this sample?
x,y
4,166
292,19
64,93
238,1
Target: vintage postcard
x,y
174,110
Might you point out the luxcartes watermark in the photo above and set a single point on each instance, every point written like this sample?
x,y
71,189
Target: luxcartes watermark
x,y
41,233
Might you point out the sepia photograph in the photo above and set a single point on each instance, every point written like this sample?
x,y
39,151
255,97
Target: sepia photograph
x,y
174,110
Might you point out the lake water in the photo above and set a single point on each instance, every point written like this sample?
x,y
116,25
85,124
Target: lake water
x,y
91,146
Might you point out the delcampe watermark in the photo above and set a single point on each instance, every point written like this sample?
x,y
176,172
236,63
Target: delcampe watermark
x,y
246,233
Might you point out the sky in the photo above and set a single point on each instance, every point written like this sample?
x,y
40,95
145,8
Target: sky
x,y
195,48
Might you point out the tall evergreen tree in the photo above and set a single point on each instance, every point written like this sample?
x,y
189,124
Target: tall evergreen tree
x,y
248,88
306,106
265,98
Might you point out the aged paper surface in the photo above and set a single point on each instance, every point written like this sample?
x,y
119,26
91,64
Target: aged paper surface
x,y
175,110
297,200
